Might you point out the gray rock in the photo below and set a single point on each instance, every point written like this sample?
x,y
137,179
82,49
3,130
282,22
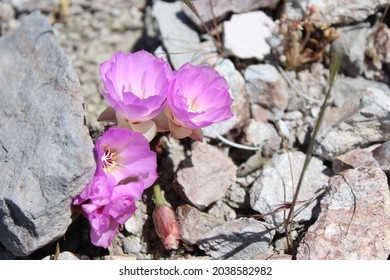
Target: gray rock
x,y
172,154
362,121
295,103
382,155
329,12
240,239
180,40
222,211
257,133
245,42
205,177
66,256
352,46
308,85
194,224
240,105
135,224
294,115
132,245
262,135
31,5
45,146
346,88
237,196
354,223
222,8
273,188
128,19
266,87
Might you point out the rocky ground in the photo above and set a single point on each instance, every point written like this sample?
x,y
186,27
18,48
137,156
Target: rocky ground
x,y
232,192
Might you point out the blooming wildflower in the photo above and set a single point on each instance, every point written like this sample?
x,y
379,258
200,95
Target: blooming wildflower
x,y
198,97
125,167
136,86
109,206
124,153
166,226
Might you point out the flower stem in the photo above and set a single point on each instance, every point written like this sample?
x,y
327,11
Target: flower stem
x,y
158,198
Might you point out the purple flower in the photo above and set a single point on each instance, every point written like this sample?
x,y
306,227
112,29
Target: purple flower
x,y
136,84
108,207
125,167
126,154
198,97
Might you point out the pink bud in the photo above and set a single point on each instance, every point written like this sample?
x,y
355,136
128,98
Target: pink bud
x,y
166,226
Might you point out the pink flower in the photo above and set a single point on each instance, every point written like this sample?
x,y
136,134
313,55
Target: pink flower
x,y
125,167
136,86
198,97
108,207
124,154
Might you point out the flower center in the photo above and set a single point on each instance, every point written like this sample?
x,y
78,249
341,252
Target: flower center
x,y
109,160
193,106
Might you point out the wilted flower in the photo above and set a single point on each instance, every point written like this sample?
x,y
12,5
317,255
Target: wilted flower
x,y
136,86
198,97
166,226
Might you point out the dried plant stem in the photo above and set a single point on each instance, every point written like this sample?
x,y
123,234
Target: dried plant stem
x,y
285,145
192,7
385,13
215,23
234,144
296,90
309,153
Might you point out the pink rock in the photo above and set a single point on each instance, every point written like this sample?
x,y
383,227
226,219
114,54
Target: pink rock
x,y
206,176
354,159
355,218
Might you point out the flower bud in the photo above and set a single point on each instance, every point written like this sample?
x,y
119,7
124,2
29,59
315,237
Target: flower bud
x,y
166,226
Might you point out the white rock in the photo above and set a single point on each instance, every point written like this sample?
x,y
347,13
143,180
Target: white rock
x,y
245,34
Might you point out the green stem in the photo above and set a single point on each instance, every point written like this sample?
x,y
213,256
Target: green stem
x,y
158,198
